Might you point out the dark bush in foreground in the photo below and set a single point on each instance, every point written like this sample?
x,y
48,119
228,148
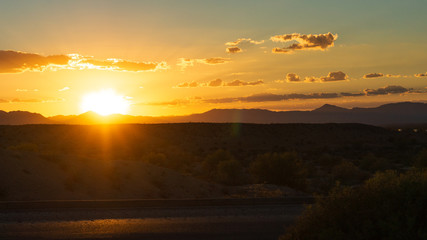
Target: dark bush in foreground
x,y
387,206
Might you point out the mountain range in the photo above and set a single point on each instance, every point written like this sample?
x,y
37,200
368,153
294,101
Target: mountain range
x,y
388,114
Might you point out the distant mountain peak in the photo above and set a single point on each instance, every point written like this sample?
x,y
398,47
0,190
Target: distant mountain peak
x,y
330,108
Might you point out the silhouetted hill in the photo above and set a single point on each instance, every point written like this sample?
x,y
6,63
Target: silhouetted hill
x,y
22,117
402,113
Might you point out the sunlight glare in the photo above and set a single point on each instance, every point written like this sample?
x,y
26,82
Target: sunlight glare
x,y
105,102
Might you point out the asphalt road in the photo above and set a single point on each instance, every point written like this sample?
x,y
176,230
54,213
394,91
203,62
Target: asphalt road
x,y
154,220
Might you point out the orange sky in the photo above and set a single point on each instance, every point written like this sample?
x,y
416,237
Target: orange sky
x,y
183,57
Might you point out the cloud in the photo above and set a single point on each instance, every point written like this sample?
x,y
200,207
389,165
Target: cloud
x,y
373,75
64,89
215,83
237,82
218,83
115,64
188,85
346,94
233,50
188,62
421,75
17,62
304,42
236,45
26,90
215,60
386,90
243,41
270,97
18,100
292,77
280,50
332,77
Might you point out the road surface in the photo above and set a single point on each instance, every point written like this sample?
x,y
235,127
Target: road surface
x,y
154,220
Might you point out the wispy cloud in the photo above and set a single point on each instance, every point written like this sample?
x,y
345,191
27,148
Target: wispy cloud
x,y
304,42
244,40
188,62
64,89
220,83
26,90
236,46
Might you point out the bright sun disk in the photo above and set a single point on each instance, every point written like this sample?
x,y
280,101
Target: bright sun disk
x,y
105,102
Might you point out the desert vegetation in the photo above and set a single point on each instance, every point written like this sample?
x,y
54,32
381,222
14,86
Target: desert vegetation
x,y
387,206
193,160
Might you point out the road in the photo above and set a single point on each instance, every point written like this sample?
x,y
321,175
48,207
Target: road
x,y
154,220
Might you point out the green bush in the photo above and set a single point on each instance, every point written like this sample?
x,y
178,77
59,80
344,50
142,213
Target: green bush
x,y
282,169
388,206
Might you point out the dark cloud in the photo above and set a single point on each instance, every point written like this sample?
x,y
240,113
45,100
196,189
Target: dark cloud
x,y
292,77
346,94
215,83
334,76
270,97
421,75
17,62
243,83
233,50
386,90
280,50
373,75
304,41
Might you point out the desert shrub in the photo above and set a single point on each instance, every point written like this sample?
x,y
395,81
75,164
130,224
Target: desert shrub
x,y
230,172
282,169
373,164
211,161
348,174
388,206
221,166
25,147
421,159
327,160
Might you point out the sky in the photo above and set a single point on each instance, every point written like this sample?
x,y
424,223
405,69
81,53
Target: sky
x,y
168,57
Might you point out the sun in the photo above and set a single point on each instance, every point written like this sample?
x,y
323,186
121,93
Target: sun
x,y
105,102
